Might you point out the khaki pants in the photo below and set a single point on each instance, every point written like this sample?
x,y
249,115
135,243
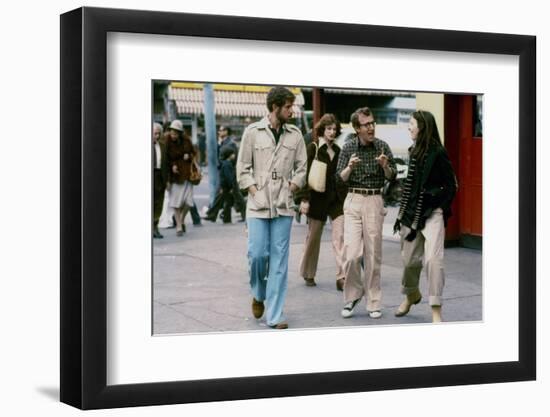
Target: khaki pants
x,y
428,244
363,222
310,258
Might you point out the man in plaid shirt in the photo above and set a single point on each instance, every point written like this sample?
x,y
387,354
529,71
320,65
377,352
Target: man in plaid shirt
x,y
364,163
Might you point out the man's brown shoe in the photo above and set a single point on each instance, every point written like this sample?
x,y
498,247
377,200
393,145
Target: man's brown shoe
x,y
407,303
340,284
280,326
257,308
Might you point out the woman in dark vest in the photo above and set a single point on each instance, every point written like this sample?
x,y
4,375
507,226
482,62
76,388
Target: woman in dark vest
x,y
318,206
425,208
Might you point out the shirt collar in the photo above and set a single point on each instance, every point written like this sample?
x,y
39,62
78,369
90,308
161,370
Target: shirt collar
x,y
264,124
373,143
322,142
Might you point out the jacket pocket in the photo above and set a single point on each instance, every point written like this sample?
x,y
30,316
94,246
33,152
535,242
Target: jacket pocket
x,y
288,151
282,193
258,201
434,195
263,150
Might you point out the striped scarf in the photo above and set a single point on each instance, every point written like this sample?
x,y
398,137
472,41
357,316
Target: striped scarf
x,y
407,190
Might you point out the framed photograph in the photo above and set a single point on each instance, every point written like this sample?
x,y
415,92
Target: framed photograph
x,y
156,309
212,238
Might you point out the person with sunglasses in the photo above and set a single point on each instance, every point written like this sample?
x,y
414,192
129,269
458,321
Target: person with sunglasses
x,y
365,162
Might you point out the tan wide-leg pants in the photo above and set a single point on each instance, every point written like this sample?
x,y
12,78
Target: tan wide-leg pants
x,y
428,244
363,222
310,258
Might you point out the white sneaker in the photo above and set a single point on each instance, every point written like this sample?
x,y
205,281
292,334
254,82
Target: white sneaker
x,y
347,311
375,314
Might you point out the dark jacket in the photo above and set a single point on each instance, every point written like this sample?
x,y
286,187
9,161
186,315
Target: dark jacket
x,y
331,202
175,152
227,142
228,178
437,183
164,173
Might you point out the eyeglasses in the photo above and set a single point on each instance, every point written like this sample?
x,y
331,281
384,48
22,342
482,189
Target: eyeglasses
x,y
368,124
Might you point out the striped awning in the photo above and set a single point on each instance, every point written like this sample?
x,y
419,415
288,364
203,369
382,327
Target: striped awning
x,y
366,92
229,99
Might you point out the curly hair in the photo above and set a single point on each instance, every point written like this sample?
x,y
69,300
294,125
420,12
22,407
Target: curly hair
x,y
327,120
279,96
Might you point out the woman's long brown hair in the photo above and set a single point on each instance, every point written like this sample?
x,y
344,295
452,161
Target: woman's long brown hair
x,y
427,134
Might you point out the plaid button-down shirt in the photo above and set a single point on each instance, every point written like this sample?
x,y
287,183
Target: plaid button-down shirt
x,y
367,173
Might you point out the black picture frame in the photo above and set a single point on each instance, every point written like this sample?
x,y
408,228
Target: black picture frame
x,y
84,207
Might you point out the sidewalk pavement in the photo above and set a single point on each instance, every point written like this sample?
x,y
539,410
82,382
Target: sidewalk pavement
x,y
201,283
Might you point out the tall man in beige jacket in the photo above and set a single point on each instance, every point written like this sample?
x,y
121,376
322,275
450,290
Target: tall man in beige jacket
x,y
272,165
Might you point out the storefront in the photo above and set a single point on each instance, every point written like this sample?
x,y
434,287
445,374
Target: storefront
x,y
464,143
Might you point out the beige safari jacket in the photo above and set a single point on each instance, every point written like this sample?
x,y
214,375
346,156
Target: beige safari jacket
x,y
271,168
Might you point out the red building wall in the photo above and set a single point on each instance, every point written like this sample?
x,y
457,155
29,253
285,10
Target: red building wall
x,y
466,154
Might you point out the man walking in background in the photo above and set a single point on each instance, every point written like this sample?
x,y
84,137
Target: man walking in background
x,y
160,177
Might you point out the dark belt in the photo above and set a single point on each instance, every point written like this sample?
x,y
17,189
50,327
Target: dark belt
x,y
366,191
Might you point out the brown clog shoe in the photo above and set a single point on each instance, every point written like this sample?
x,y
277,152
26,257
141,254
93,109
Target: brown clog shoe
x,y
257,308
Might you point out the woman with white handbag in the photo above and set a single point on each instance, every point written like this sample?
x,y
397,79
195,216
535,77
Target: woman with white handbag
x,y
322,197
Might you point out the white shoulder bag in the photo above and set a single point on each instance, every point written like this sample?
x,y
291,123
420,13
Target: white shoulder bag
x,y
317,177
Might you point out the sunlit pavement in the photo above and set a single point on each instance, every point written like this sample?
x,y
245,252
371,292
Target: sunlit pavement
x,y
201,282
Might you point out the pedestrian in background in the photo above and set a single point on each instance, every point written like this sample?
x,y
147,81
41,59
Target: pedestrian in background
x,y
320,205
228,181
425,207
180,153
225,199
226,142
364,164
271,165
160,177
201,138
225,139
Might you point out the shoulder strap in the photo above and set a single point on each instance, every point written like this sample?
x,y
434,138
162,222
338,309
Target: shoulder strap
x,y
316,149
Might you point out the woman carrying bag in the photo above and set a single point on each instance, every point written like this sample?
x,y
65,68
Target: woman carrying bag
x,y
180,154
323,198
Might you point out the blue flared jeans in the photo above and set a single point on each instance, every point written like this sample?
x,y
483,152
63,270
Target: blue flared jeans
x,y
268,244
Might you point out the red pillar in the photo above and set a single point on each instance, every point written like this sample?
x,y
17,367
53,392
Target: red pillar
x,y
318,96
